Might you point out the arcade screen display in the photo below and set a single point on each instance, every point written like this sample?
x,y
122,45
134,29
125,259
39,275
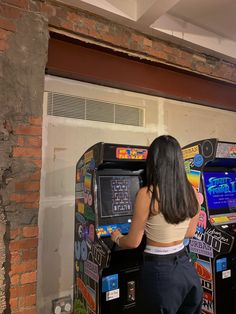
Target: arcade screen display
x,y
117,195
220,188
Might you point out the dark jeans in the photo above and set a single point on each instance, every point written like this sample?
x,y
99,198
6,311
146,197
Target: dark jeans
x,y
169,284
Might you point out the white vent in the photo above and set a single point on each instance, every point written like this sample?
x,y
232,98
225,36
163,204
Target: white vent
x,y
68,106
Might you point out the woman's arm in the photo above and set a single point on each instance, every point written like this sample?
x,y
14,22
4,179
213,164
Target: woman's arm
x,y
140,216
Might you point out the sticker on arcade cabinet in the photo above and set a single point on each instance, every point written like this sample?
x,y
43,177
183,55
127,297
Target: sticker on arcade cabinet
x,y
226,274
232,217
201,248
80,218
88,156
92,164
79,205
91,234
187,166
215,239
207,303
89,311
86,294
91,270
201,225
190,152
99,254
79,194
88,199
89,213
204,269
88,181
219,219
226,150
79,187
77,250
194,177
110,283
208,285
113,294
82,250
198,160
221,264
131,153
79,176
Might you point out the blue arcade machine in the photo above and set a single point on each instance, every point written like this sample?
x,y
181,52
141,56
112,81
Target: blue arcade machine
x,y
108,177
211,168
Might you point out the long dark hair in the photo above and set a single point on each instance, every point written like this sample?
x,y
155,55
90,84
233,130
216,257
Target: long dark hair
x,y
167,181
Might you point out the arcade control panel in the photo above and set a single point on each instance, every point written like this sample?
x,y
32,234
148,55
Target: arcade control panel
x,y
106,230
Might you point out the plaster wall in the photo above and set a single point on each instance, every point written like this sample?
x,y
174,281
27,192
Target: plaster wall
x,y
65,140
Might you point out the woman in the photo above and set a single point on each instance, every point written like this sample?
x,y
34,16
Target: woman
x,y
166,210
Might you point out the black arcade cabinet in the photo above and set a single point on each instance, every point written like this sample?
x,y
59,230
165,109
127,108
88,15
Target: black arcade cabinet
x,y
108,177
211,168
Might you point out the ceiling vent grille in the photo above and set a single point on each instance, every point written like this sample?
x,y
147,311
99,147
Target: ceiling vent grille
x,y
75,107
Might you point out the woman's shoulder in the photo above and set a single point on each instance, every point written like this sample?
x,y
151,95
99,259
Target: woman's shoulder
x,y
144,193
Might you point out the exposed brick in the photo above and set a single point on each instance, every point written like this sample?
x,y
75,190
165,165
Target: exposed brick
x,y
37,163
36,175
30,231
27,300
26,311
14,303
23,244
4,34
24,267
36,121
7,25
26,152
22,198
15,257
23,290
33,141
28,130
31,205
20,141
28,278
3,45
14,233
29,254
15,279
10,12
48,9
18,3
28,186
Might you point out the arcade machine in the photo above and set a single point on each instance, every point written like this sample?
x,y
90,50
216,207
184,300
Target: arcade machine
x,y
211,168
108,177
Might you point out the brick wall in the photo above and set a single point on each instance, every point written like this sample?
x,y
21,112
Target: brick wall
x,y
23,55
105,32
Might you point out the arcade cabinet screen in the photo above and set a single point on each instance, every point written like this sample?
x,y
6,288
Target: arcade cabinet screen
x,y
220,190
117,195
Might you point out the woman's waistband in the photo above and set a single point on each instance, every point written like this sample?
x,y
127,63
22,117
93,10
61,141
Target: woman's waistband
x,y
165,258
163,250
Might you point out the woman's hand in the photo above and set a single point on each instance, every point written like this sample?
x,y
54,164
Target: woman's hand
x,y
116,235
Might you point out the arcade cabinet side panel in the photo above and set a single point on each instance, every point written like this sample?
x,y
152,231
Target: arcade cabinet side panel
x,y
88,254
196,155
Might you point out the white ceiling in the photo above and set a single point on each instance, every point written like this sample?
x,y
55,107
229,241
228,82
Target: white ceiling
x,y
209,24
